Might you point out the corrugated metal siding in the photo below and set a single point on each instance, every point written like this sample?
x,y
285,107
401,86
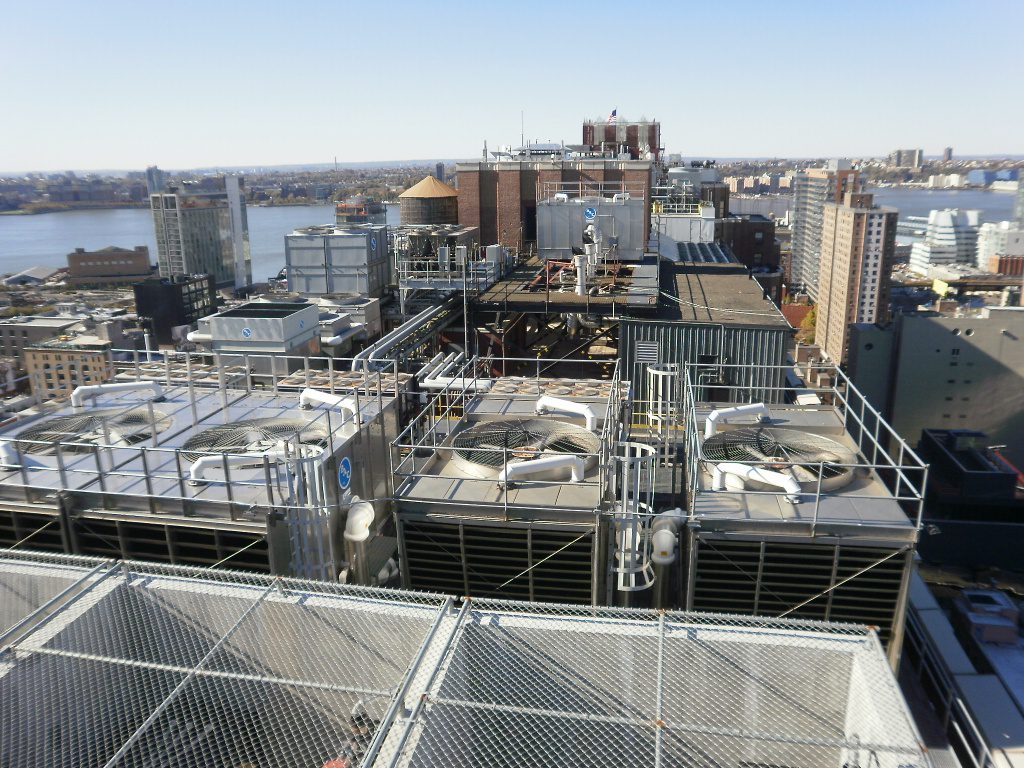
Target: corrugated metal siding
x,y
680,342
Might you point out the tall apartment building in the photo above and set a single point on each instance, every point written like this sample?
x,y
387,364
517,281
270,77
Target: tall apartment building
x,y
811,190
500,197
858,244
156,180
907,158
204,232
950,238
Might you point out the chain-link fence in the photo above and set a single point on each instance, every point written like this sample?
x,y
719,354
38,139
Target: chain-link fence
x,y
125,664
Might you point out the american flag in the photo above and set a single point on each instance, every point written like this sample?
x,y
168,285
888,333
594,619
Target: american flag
x,y
613,116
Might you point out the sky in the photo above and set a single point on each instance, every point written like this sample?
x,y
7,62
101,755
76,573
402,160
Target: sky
x,y
199,83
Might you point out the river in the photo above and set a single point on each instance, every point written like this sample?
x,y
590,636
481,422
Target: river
x,y
45,239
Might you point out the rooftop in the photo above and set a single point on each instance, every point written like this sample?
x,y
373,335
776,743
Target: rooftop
x,y
124,663
716,293
265,309
41,322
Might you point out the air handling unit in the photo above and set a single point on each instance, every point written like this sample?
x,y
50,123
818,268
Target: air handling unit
x,y
516,486
808,510
196,474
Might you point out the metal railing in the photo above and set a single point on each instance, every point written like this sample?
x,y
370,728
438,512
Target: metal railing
x,y
881,451
432,429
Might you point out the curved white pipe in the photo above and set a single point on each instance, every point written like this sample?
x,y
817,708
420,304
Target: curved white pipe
x,y
357,524
80,394
758,474
198,337
723,415
398,335
197,472
8,454
521,468
310,397
472,385
548,403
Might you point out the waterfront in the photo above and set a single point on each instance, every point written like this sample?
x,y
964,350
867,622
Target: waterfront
x,y
45,239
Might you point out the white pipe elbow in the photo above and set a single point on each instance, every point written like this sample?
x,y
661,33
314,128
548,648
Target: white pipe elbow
x,y
723,415
198,337
81,394
358,521
311,397
547,403
525,468
787,483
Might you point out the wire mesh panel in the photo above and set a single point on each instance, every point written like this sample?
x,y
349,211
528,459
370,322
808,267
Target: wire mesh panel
x,y
147,665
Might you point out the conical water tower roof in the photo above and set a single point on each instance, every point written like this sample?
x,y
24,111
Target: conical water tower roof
x,y
430,187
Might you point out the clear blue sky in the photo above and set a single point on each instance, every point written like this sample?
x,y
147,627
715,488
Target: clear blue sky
x,y
201,82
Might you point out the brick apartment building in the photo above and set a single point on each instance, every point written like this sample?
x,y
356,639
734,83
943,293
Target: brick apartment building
x,y
500,197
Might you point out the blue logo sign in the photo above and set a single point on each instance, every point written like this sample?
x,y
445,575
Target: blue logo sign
x,y
345,473
590,213
373,243
302,323
247,332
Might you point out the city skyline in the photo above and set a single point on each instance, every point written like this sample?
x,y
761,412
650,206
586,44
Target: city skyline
x,y
239,89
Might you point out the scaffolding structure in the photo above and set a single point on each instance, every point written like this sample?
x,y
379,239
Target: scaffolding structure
x,y
117,663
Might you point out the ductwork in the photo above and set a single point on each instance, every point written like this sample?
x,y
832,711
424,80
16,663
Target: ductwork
x,y
311,397
665,536
758,474
360,518
544,463
79,396
548,403
728,414
435,379
376,351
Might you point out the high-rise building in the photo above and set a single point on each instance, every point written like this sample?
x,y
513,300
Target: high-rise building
x,y
947,155
156,180
1018,209
204,232
907,158
811,190
950,238
439,171
167,305
858,243
998,240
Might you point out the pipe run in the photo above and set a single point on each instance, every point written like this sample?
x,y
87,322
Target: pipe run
x,y
544,463
378,349
548,403
79,396
436,378
311,397
758,474
724,415
198,337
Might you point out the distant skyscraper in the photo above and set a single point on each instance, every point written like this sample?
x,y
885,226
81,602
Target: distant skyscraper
x,y
858,243
947,155
811,190
907,158
439,171
1018,209
156,180
204,232
950,238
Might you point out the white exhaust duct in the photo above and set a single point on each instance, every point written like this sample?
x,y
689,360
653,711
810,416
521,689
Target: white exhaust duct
x,y
81,394
769,477
725,415
310,397
547,403
544,463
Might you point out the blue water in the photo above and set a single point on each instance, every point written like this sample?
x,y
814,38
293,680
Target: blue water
x,y
994,206
46,239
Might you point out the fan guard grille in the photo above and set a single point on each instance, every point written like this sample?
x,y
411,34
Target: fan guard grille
x,y
78,433
488,443
255,436
802,451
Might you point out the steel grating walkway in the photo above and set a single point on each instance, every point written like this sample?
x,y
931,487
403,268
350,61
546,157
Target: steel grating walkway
x,y
116,663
